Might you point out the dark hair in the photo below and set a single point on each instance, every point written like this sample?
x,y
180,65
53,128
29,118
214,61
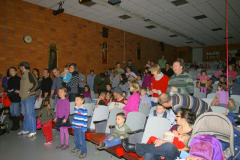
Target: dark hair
x,y
66,66
48,71
110,95
140,75
87,86
91,70
117,63
122,115
203,71
102,75
80,96
222,76
124,79
188,114
152,61
223,85
8,75
35,69
129,60
47,100
75,68
129,68
167,63
13,68
148,72
56,69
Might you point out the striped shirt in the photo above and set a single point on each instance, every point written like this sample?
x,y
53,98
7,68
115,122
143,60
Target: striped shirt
x,y
80,118
197,105
183,82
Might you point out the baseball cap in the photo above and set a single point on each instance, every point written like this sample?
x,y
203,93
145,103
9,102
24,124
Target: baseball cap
x,y
117,90
25,64
230,79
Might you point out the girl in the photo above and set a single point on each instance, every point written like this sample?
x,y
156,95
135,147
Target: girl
x,y
46,115
147,78
62,118
207,66
203,78
222,96
130,75
148,64
124,83
109,97
231,72
134,99
87,92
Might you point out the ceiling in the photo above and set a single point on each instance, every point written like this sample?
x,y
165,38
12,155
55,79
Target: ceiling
x,y
167,18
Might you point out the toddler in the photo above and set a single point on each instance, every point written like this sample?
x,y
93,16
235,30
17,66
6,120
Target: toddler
x,y
66,75
203,78
222,96
101,99
144,97
139,79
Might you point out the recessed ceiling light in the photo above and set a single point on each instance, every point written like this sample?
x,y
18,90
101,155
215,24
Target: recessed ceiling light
x,y
125,16
151,26
179,2
146,20
217,29
200,17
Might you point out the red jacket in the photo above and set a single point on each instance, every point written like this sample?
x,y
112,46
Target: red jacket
x,y
161,84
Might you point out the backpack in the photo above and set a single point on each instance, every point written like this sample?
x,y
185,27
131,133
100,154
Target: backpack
x,y
207,147
3,129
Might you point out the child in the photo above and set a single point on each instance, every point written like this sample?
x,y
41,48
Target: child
x,y
66,75
162,112
222,78
109,97
87,92
79,124
62,118
120,132
139,79
148,64
222,96
101,99
144,97
147,78
46,115
207,66
203,80
134,99
108,87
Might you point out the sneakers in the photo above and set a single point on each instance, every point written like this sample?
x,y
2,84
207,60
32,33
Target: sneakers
x,y
75,150
23,132
31,135
101,145
83,155
65,147
48,143
60,146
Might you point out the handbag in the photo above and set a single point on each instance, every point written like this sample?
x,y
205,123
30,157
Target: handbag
x,y
39,124
60,124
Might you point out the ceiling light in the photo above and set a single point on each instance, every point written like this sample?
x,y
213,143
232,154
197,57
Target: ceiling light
x,y
200,17
179,2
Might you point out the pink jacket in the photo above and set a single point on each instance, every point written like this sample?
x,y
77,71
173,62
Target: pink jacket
x,y
203,78
132,103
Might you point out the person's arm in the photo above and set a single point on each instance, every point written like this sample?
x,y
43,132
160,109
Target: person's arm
x,y
33,80
4,82
115,133
127,129
190,86
48,86
54,86
149,102
40,94
214,102
232,105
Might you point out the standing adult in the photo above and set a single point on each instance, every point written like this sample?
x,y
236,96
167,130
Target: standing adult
x,y
90,79
100,83
73,83
162,62
39,79
180,82
168,71
45,90
194,65
133,68
5,81
119,69
13,95
82,83
57,83
28,87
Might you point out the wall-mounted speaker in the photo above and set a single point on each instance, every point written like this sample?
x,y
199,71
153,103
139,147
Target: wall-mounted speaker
x,y
161,44
105,32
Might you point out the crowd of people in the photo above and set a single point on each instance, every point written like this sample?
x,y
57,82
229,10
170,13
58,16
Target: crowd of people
x,y
169,89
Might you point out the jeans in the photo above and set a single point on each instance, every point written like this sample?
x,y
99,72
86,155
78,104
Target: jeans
x,y
150,152
154,104
72,97
14,109
115,141
79,139
80,90
29,121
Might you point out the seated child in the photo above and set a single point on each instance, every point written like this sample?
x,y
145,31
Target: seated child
x,y
203,78
119,133
144,97
222,96
139,79
162,112
87,92
222,78
101,99
124,94
108,87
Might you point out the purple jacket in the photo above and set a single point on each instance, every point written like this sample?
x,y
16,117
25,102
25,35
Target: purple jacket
x,y
132,103
147,80
5,83
63,108
87,95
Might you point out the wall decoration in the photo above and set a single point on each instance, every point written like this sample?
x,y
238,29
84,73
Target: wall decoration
x,y
139,55
104,53
52,57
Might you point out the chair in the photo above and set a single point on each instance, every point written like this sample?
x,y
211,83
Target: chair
x,y
199,94
236,98
237,107
38,103
152,109
87,100
144,109
211,95
219,109
208,100
214,90
216,82
72,106
53,103
99,114
93,95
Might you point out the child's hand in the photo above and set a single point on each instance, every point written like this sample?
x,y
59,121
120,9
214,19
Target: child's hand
x,y
55,120
121,137
64,121
175,133
145,104
109,139
96,106
217,96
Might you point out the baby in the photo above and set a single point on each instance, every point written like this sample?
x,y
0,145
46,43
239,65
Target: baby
x,y
180,141
66,75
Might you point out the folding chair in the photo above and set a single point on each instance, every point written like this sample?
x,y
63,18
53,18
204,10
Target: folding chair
x,y
93,95
53,103
219,109
87,100
214,90
236,98
199,94
152,109
211,95
208,100
144,109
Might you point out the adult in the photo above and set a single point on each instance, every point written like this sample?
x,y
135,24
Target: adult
x,y
119,69
209,86
217,74
28,87
159,83
82,83
231,72
194,66
130,75
231,60
178,101
220,64
73,83
162,62
185,118
45,90
116,79
90,79
180,82
152,62
5,81
100,83
132,66
124,85
147,78
167,70
118,101
234,86
207,66
56,84
13,95
39,79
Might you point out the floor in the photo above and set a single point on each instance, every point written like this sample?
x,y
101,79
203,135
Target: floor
x,y
18,147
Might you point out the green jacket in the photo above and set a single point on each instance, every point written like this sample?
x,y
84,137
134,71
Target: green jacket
x,y
121,131
101,84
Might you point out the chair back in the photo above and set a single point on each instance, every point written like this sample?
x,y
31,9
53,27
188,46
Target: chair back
x,y
219,109
87,100
112,118
208,100
211,95
72,106
152,109
38,103
99,114
135,120
144,109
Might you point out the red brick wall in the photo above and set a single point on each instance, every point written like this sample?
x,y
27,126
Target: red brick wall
x,y
78,40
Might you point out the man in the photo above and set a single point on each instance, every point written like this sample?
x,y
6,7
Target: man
x,y
82,83
119,101
234,86
28,87
162,62
90,79
119,70
178,101
180,82
46,85
133,68
100,83
57,83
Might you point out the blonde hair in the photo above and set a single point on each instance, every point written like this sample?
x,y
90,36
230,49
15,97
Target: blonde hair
x,y
136,86
64,89
46,105
155,67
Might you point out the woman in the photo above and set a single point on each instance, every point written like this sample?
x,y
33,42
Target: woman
x,y
231,72
5,81
36,73
124,85
130,75
109,97
147,78
168,71
13,95
185,118
73,83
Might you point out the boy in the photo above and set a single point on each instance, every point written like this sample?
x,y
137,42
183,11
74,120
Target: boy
x,y
161,112
79,124
144,97
139,79
119,133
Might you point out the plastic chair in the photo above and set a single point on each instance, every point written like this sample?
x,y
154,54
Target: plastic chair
x,y
211,95
87,100
199,94
214,90
219,109
72,106
152,109
89,107
208,100
99,114
236,98
216,82
93,95
237,109
38,103
144,109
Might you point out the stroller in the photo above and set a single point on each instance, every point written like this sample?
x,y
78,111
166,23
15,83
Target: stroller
x,y
4,113
219,126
